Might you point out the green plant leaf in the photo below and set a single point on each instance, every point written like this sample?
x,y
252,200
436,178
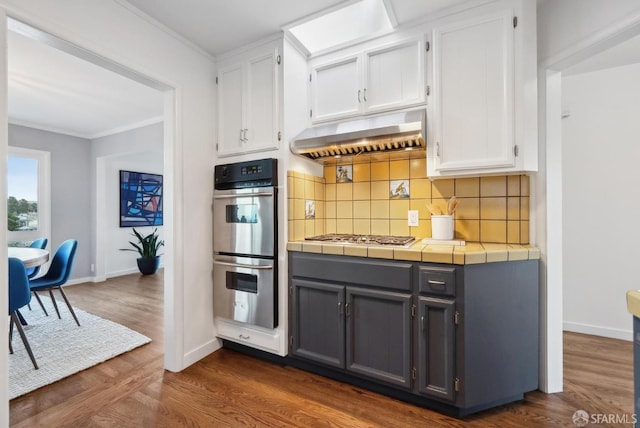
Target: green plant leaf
x,y
146,246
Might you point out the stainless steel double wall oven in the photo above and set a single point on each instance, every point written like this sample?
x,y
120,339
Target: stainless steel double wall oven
x,y
245,242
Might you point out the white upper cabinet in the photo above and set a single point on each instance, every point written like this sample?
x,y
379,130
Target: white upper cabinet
x,y
394,77
477,110
336,89
376,80
248,103
230,110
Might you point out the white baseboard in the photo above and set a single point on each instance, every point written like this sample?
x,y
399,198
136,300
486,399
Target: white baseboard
x,y
75,281
102,278
122,273
596,330
200,352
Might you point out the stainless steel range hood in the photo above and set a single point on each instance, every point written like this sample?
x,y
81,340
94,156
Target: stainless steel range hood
x,y
393,132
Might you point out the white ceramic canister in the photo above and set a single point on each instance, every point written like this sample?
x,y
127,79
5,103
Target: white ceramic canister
x,y
442,227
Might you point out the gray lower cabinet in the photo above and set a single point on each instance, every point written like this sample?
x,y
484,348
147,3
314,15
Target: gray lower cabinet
x,y
379,335
317,322
436,347
445,336
364,331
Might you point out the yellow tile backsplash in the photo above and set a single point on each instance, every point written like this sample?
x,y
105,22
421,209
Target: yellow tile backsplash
x,y
361,172
399,169
493,186
379,171
362,191
491,209
380,189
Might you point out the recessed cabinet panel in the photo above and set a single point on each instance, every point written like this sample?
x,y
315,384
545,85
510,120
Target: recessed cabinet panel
x,y
318,322
262,110
336,90
230,117
474,93
394,76
436,348
379,335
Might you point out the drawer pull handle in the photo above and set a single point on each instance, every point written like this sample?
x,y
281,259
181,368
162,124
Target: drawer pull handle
x,y
434,282
244,337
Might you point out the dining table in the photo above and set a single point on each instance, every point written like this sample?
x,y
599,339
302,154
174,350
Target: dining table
x,y
31,257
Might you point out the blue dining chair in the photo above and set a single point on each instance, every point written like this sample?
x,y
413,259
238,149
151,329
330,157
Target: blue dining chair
x,y
19,295
40,243
58,274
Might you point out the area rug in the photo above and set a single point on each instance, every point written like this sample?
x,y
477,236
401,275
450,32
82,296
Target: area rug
x,y
62,348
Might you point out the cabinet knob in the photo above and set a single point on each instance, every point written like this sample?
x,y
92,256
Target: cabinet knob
x,y
359,95
365,95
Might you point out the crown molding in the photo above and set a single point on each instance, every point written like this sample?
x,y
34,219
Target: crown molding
x,y
165,29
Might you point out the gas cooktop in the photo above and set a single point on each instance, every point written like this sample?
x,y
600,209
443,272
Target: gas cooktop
x,y
403,241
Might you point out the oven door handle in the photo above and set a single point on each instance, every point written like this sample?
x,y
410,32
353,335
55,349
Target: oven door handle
x,y
215,262
243,195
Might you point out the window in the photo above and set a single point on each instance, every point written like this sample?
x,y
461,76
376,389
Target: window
x,y
348,24
28,203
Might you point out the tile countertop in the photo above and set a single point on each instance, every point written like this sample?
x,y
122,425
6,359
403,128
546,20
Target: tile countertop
x,y
633,302
472,253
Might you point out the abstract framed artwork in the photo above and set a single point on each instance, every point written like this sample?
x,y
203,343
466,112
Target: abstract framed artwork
x,y
140,199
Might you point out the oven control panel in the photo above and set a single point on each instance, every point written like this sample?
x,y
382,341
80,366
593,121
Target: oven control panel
x,y
257,173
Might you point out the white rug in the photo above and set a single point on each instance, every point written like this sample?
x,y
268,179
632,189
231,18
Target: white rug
x,y
61,347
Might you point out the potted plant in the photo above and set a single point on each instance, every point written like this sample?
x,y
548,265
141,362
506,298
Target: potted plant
x,y
147,247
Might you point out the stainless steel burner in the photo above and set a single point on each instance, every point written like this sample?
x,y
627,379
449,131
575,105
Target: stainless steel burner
x,y
364,239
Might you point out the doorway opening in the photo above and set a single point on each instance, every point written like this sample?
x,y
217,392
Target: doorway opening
x,y
96,177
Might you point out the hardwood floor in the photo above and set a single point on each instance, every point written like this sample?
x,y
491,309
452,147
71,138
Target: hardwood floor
x,y
232,389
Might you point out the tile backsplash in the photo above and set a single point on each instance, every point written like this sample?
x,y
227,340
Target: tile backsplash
x,y
375,197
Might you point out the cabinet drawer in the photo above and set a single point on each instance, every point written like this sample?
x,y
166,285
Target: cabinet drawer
x,y
352,270
265,341
437,280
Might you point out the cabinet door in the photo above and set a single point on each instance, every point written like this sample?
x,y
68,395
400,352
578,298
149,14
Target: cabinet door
x,y
317,322
336,90
394,76
230,110
379,335
436,339
474,94
261,103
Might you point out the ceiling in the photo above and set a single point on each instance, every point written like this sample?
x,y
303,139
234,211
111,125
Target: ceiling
x,y
217,26
54,90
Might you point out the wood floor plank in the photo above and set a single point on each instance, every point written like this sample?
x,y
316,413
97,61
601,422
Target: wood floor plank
x,y
229,389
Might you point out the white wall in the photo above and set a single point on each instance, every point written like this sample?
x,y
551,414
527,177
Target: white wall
x,y
70,190
112,30
135,150
118,262
568,31
600,154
